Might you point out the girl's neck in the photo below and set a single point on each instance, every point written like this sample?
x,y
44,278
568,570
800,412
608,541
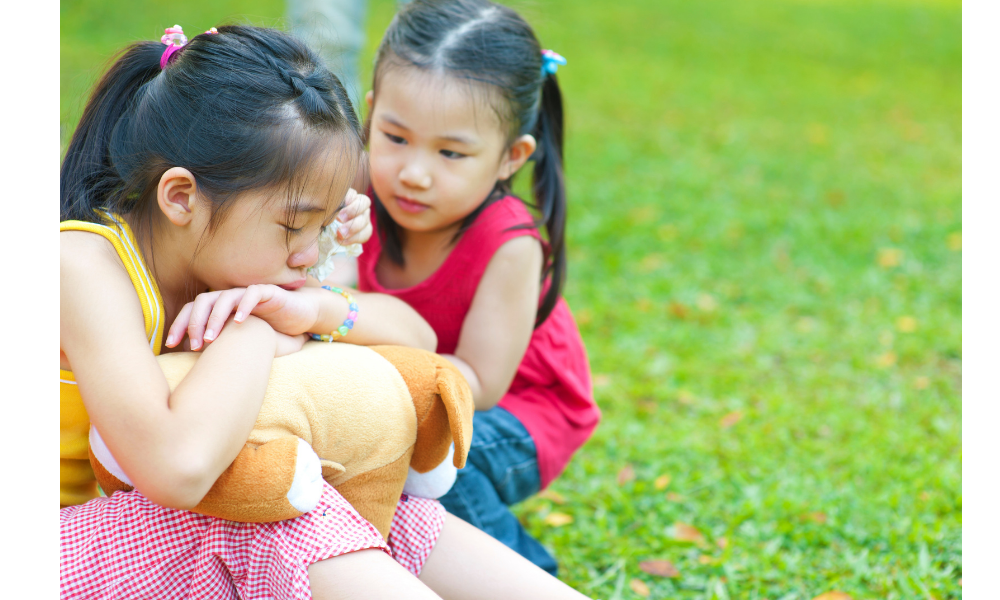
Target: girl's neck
x,y
423,254
169,259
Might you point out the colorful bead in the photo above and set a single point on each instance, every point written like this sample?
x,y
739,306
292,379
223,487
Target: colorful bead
x,y
348,322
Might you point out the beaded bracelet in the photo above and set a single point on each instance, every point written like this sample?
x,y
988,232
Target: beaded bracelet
x,y
348,325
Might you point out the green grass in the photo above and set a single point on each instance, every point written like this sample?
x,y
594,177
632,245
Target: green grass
x,y
766,198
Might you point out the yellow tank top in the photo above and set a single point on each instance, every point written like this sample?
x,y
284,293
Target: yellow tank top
x,y
76,479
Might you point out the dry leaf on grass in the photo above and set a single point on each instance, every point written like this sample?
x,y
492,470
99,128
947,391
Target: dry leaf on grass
x,y
815,517
687,533
886,360
660,568
705,559
678,310
722,542
906,324
731,419
553,496
558,519
626,475
639,587
661,482
889,257
674,497
834,595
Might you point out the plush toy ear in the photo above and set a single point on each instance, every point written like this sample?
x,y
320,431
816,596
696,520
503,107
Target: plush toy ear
x,y
443,402
457,399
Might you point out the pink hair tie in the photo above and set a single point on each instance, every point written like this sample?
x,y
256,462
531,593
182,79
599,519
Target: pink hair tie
x,y
174,39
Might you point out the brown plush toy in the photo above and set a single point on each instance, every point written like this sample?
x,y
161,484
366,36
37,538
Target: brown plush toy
x,y
360,418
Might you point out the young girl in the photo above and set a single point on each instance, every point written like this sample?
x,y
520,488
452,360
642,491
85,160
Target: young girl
x,y
213,166
463,96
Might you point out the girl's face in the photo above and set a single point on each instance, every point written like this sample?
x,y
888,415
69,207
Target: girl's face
x,y
437,148
258,243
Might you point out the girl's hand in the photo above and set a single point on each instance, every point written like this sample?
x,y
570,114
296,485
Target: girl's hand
x,y
354,223
290,313
289,344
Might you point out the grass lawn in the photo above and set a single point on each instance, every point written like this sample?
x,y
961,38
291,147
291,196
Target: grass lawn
x,y
765,262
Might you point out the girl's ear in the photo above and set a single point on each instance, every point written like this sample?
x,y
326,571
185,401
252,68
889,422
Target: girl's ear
x,y
518,154
176,195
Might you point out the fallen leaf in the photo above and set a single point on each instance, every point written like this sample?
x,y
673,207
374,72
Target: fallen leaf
x,y
687,533
553,496
731,419
886,360
685,397
955,241
906,324
835,198
644,305
651,262
558,519
660,568
626,475
835,595
678,310
707,303
601,380
722,543
661,482
922,382
674,497
889,257
639,587
815,517
705,559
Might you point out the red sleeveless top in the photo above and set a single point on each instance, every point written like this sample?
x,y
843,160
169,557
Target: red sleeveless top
x,y
551,393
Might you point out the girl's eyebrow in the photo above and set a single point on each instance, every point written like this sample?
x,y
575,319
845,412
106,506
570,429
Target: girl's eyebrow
x,y
454,137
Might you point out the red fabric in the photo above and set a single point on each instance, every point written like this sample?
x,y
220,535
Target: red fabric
x,y
128,547
551,394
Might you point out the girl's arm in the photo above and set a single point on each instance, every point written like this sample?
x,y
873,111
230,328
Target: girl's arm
x,y
381,319
173,446
498,327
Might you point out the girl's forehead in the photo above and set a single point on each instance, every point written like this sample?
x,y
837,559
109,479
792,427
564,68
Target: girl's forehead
x,y
436,100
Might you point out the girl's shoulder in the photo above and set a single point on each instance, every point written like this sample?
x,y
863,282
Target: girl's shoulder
x,y
499,222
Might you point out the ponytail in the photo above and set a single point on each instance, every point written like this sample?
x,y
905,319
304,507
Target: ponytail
x,y
549,189
87,180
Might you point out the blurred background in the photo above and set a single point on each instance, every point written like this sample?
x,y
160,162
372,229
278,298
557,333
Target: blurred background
x,y
765,262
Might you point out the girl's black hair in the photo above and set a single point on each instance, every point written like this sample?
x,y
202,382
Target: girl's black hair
x,y
243,109
488,43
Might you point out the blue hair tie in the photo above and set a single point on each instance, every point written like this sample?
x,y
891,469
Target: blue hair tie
x,y
551,60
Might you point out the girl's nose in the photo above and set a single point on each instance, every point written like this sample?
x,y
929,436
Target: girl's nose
x,y
414,175
306,257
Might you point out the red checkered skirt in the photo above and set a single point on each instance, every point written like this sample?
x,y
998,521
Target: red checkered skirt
x,y
127,547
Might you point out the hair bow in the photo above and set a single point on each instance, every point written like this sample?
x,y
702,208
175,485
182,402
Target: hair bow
x,y
174,39
551,60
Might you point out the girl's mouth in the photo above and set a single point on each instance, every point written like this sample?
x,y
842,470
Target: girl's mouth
x,y
410,206
291,287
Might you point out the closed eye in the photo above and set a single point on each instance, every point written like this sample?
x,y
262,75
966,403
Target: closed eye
x,y
452,154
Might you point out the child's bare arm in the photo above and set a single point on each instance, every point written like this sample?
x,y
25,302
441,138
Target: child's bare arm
x,y
173,446
500,322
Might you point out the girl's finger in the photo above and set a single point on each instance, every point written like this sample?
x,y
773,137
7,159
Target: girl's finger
x,y
250,299
362,235
355,204
176,333
199,316
224,306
